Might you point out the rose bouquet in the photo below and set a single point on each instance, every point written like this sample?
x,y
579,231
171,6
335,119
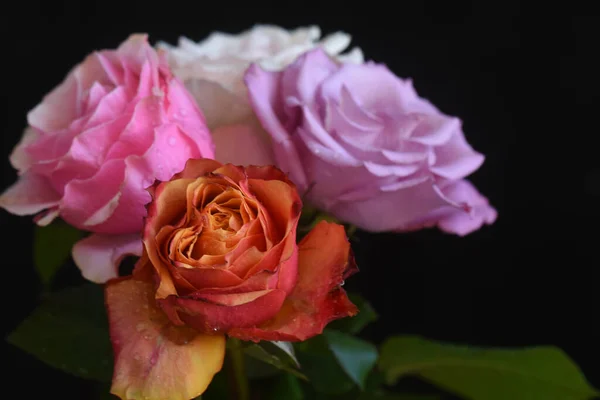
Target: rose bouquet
x,y
233,173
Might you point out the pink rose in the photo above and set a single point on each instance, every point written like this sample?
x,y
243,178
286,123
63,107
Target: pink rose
x,y
361,144
118,122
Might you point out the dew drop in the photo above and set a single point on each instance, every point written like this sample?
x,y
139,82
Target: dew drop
x,y
183,112
342,284
172,141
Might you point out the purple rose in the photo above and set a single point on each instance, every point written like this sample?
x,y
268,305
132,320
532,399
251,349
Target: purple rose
x,y
362,145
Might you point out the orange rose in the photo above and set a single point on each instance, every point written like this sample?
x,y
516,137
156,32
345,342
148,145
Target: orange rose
x,y
221,258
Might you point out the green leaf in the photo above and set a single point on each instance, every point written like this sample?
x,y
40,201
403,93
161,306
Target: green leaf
x,y
357,323
285,349
69,331
257,369
308,215
52,246
531,373
258,352
282,387
356,356
322,367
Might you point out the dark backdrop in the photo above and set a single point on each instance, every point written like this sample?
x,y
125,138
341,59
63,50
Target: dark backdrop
x,y
524,85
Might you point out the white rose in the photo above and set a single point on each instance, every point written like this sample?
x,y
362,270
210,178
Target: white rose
x,y
213,71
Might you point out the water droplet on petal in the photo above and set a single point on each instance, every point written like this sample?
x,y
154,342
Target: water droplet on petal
x,y
172,141
183,112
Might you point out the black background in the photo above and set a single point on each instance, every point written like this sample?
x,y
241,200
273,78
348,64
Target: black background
x,y
525,82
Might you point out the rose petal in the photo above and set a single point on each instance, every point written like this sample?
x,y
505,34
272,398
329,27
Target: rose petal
x,y
46,217
374,84
263,87
86,152
189,118
31,193
391,210
118,208
202,278
197,168
454,220
60,106
280,199
456,159
155,360
19,158
98,256
314,130
302,79
434,130
242,144
220,106
219,313
325,261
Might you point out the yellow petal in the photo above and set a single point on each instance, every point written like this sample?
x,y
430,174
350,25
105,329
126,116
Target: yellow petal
x,y
154,359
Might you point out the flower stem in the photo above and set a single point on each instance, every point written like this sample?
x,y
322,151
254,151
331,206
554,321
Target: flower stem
x,y
236,355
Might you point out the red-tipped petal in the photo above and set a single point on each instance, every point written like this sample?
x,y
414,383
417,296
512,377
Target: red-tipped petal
x,y
325,260
218,313
280,198
196,168
155,360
